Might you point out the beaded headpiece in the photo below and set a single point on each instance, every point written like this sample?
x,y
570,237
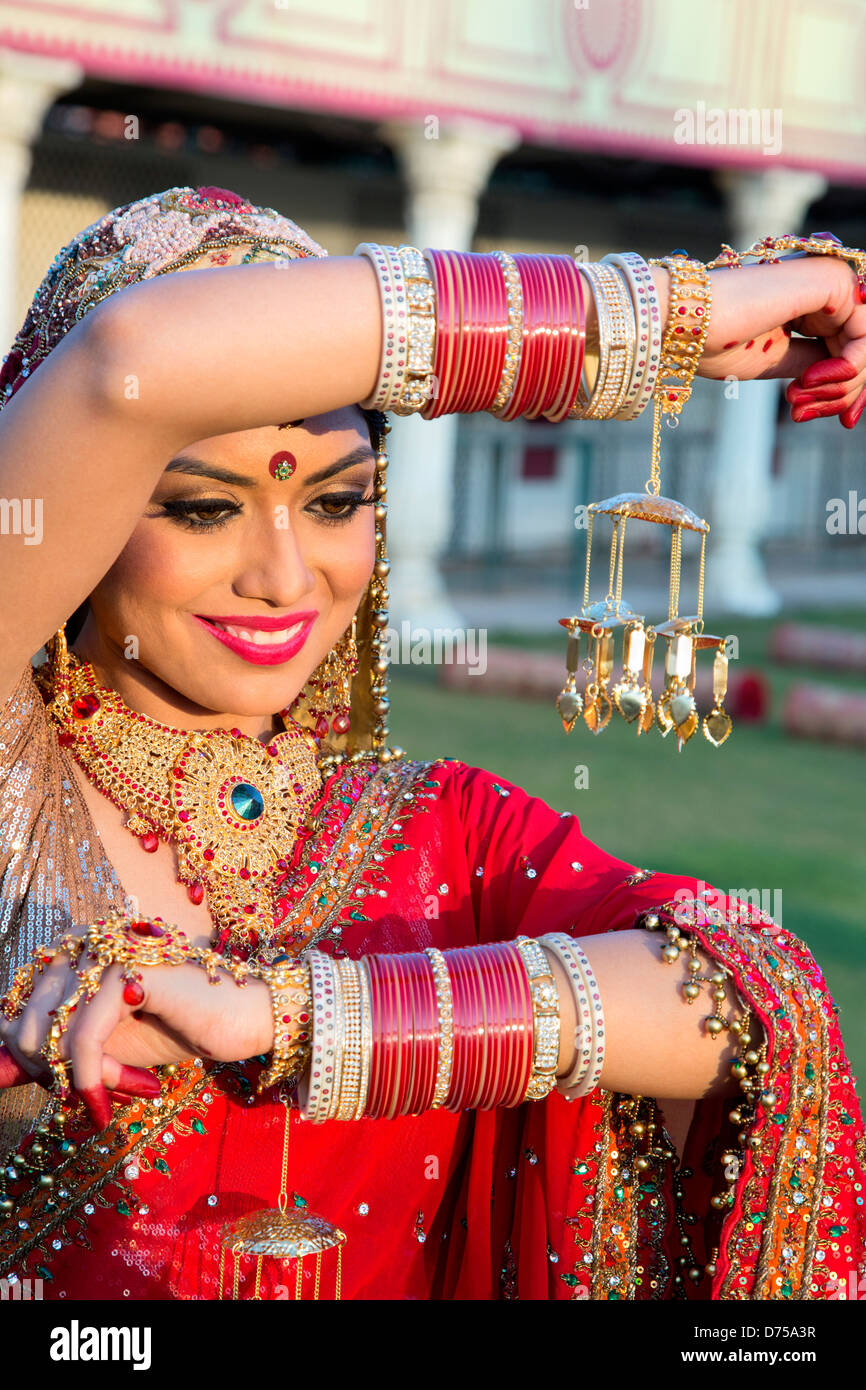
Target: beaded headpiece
x,y
199,229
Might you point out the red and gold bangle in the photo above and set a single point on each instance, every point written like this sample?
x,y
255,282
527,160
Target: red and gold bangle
x,y
463,1040
366,1038
383,1033
570,325
498,1019
395,979
430,1022
484,1031
495,333
523,1014
445,328
540,291
577,343
423,1032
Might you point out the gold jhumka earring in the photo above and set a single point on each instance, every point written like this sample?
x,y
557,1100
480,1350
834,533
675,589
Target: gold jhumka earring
x,y
597,621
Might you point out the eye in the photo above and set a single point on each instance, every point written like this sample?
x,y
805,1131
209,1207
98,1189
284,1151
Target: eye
x,y
200,513
337,507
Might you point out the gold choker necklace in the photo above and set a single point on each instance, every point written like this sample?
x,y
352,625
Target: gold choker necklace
x,y
232,807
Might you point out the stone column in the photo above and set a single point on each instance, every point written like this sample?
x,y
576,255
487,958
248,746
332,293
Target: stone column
x,y
446,171
759,204
28,86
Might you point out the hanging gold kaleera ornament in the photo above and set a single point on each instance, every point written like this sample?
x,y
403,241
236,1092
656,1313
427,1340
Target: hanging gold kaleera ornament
x,y
284,1234
631,694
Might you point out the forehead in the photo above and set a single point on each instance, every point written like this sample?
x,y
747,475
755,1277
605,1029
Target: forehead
x,y
315,437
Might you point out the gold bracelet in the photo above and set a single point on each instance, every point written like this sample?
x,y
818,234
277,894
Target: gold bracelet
x,y
545,1018
288,985
685,332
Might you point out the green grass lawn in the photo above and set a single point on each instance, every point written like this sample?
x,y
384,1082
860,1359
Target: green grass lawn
x,y
764,811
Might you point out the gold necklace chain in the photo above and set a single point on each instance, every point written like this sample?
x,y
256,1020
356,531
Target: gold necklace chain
x,y
232,806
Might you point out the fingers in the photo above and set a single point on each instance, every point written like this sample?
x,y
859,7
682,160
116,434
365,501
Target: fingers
x,y
849,417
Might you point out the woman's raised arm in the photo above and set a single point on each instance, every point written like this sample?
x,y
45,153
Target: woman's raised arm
x,y
183,357
172,360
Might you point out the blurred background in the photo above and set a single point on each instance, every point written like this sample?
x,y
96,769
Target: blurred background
x,y
572,126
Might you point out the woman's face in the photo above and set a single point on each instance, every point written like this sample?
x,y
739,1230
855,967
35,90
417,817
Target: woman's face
x,y
234,584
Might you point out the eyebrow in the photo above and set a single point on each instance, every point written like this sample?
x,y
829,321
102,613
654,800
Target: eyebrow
x,y
185,463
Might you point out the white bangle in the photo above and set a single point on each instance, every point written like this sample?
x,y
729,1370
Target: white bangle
x,y
314,1090
392,295
649,327
584,1076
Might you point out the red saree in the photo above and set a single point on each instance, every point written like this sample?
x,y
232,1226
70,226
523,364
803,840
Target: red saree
x,y
537,1203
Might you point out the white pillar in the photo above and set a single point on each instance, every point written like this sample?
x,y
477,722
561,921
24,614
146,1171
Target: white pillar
x,y
446,171
28,86
759,204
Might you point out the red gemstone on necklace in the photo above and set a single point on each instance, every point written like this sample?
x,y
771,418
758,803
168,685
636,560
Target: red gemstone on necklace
x,y
244,873
236,733
183,815
85,706
149,842
133,993
207,854
196,893
341,724
321,727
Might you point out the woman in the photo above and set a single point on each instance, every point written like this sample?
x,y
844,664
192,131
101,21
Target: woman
x,y
190,405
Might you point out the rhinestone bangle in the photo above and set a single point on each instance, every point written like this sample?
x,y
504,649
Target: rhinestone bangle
x,y
421,332
445,1009
545,1018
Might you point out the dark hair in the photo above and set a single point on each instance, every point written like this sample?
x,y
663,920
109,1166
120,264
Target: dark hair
x,y
376,422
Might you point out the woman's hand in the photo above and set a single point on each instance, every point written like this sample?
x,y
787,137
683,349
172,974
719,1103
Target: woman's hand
x,y
182,1015
755,310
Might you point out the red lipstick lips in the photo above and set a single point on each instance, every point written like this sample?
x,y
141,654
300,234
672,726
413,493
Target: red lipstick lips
x,y
261,653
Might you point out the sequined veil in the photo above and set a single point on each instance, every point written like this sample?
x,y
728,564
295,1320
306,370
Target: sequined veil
x,y
548,1201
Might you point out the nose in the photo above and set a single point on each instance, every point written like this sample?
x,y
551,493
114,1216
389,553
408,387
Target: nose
x,y
276,570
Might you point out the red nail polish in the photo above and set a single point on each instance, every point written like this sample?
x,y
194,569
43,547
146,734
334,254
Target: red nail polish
x,y
96,1100
138,1082
750,343
729,345
768,344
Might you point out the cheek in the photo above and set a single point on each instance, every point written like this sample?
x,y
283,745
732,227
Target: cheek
x,y
347,561
154,569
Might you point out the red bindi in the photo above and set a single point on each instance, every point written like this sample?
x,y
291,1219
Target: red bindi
x,y
282,465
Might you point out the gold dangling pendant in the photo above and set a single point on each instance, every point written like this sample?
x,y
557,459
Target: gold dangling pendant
x,y
598,708
630,692
280,1234
569,701
717,724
